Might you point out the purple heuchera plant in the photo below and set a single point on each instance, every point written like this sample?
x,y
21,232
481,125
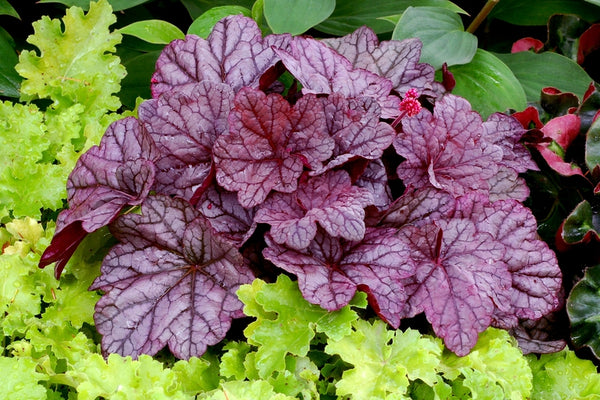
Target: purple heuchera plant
x,y
371,178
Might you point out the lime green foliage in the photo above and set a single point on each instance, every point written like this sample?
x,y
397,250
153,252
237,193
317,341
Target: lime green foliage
x,y
77,71
19,380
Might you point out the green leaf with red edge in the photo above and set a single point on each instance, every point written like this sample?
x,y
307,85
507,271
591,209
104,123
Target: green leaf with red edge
x,y
582,224
592,146
583,307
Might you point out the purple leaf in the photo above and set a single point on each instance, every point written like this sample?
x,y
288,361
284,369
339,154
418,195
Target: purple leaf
x,y
330,270
446,149
544,335
321,69
395,60
419,206
184,123
329,199
171,281
459,279
536,276
507,184
374,179
118,172
234,53
269,144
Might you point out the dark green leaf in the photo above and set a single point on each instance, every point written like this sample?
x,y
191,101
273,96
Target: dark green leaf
x,y
582,223
592,146
117,5
587,111
563,34
10,80
204,23
137,82
7,9
583,307
296,16
488,84
537,71
197,7
537,12
442,33
153,31
352,14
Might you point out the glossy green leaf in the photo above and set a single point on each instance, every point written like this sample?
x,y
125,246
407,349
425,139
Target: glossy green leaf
x,y
582,222
592,146
537,12
350,15
202,26
136,82
296,16
596,2
583,307
10,80
442,33
564,31
153,31
537,71
117,5
197,7
7,9
484,75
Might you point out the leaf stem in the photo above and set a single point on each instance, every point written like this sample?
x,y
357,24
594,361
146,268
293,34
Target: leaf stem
x,y
485,11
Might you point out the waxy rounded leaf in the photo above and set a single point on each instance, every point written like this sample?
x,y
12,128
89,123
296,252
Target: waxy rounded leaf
x,y
583,307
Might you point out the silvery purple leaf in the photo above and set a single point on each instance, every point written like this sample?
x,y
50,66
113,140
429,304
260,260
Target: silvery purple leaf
x,y
184,123
330,200
331,270
375,180
170,281
269,145
507,184
446,149
395,60
419,206
321,69
234,53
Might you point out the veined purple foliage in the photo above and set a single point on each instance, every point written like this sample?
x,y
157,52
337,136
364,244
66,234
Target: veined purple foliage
x,y
170,281
234,53
375,180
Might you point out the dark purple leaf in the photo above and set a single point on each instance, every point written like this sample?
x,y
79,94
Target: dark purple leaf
x,y
269,144
447,149
184,123
541,336
375,180
321,69
459,280
329,199
419,206
234,53
118,172
330,270
171,281
395,60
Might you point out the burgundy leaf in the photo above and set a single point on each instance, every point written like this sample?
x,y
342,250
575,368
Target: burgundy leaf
x,y
395,60
234,53
446,149
329,199
544,335
536,276
330,270
526,44
184,123
375,180
321,69
459,279
419,206
171,281
269,144
118,172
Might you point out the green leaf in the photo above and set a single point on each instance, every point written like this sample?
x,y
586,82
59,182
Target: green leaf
x,y
117,5
197,7
7,9
582,222
153,31
202,26
286,323
537,12
10,80
139,72
583,307
384,360
484,75
296,16
350,15
20,379
592,146
596,2
537,71
442,33
563,376
246,390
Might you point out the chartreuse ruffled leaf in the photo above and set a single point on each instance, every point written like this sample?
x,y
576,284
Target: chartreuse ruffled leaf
x,y
495,369
245,390
286,323
20,379
117,5
563,376
384,360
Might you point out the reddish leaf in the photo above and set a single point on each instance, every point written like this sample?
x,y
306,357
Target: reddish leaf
x,y
527,44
